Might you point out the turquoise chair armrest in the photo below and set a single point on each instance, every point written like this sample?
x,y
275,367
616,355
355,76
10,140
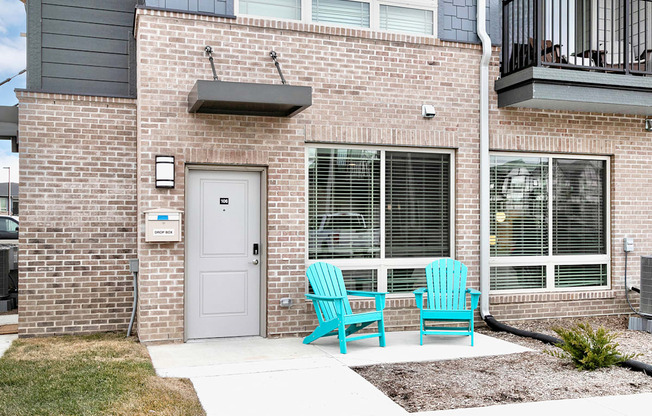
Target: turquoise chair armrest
x,y
364,293
418,297
337,300
324,298
475,297
379,297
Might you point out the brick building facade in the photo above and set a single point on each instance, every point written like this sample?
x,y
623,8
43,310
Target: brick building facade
x,y
88,171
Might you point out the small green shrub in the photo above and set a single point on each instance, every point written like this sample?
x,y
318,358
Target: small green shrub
x,y
588,349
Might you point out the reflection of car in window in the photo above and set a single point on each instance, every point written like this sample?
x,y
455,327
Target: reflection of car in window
x,y
343,234
8,228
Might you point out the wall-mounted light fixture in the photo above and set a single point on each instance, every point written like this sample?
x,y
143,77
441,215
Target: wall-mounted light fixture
x,y
428,111
648,124
165,171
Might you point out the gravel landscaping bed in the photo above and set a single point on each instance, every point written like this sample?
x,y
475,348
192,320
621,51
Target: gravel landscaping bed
x,y
514,378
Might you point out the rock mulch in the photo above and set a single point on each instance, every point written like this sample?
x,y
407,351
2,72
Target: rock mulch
x,y
514,378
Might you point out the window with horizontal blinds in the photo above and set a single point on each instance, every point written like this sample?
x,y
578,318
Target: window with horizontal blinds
x,y
359,197
405,280
281,9
344,203
342,12
365,280
519,206
404,19
579,222
518,277
417,204
549,222
580,275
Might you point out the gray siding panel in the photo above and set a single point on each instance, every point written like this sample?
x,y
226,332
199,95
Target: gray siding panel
x,y
218,7
78,14
85,72
84,87
457,22
34,45
80,43
73,57
92,30
83,47
113,5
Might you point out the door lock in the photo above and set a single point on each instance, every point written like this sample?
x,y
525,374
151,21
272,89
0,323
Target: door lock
x,y
255,261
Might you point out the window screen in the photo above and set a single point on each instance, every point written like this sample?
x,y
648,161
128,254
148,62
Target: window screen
x,y
342,12
365,280
579,222
581,275
518,277
403,19
519,206
417,208
344,203
405,280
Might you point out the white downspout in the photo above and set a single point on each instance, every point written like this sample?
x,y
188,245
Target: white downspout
x,y
481,18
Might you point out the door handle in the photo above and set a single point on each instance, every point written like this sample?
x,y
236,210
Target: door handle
x,y
255,261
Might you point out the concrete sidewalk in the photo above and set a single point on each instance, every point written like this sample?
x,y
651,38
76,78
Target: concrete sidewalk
x,y
258,376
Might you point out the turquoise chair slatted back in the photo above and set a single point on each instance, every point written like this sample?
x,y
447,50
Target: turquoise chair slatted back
x,y
327,280
446,281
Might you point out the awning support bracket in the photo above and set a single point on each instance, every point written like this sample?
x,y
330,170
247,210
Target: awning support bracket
x,y
209,52
278,66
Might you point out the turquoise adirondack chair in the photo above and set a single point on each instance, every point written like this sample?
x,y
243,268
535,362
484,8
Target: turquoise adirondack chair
x,y
334,311
446,300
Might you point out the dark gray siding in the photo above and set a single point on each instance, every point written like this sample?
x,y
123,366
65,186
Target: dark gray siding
x,y
82,47
218,7
457,20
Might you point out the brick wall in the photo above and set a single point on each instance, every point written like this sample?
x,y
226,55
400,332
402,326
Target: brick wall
x,y
83,212
78,213
367,89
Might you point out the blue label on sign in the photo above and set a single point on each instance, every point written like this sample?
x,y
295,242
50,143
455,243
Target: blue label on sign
x,y
162,217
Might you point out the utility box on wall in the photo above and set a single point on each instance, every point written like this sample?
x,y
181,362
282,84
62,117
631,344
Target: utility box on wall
x,y
162,225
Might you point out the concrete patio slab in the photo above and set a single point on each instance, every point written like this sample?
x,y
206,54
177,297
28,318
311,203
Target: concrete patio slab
x,y
236,356
404,347
254,354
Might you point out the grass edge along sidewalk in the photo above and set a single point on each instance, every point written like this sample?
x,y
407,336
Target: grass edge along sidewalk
x,y
100,374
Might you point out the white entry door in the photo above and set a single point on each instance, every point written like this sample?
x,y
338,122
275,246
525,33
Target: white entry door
x,y
222,254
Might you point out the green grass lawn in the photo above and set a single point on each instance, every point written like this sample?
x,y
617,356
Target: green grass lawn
x,y
102,374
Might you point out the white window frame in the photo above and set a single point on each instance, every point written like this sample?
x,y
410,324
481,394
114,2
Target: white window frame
x,y
374,14
381,264
551,260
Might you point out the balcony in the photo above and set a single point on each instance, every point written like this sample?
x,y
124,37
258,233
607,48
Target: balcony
x,y
579,55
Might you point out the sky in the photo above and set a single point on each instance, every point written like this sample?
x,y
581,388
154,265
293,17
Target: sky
x,y
12,61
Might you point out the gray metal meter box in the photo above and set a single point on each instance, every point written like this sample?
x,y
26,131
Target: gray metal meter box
x,y
162,225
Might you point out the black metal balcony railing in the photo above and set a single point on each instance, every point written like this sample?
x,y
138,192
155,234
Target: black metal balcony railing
x,y
613,36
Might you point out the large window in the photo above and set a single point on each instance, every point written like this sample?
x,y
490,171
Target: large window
x,y
379,214
549,222
417,16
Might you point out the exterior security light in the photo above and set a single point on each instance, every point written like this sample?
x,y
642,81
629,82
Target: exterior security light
x,y
428,111
165,171
648,124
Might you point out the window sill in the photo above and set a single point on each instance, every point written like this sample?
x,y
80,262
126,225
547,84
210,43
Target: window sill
x,y
498,299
